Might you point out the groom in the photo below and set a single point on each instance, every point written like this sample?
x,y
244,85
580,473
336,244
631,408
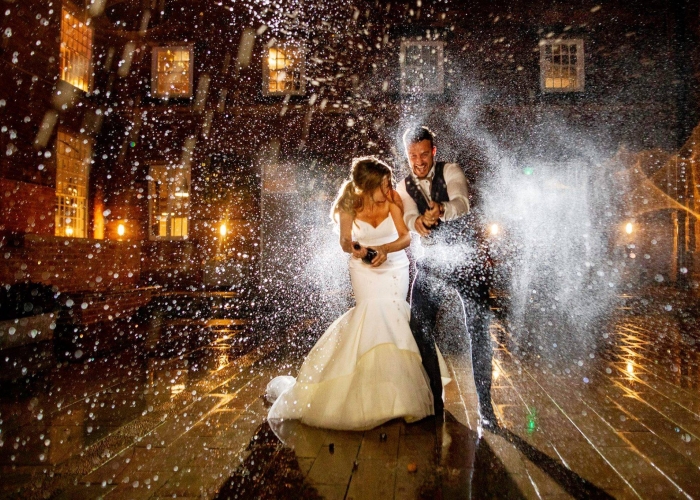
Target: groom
x,y
436,206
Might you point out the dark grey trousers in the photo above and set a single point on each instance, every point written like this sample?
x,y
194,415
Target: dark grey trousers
x,y
427,294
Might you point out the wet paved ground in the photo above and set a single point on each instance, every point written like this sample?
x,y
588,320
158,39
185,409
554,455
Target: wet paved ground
x,y
622,420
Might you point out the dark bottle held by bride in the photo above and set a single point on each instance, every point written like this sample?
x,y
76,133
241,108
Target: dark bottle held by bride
x,y
369,256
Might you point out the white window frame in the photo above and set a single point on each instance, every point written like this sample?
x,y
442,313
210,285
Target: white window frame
x,y
406,67
155,75
293,45
73,157
175,179
77,38
546,65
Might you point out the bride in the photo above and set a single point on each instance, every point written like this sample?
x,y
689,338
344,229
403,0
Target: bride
x,y
366,368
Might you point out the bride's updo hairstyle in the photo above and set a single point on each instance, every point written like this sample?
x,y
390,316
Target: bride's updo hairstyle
x,y
366,175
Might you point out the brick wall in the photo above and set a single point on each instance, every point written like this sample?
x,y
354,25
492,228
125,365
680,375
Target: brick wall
x,y
27,208
71,264
176,264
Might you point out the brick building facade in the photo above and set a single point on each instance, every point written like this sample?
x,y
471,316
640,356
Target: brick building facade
x,y
167,128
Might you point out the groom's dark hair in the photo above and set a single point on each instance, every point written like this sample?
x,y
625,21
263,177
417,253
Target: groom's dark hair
x,y
417,133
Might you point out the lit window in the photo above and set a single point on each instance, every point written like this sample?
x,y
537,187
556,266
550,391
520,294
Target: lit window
x,y
76,51
171,72
283,71
422,67
73,154
561,65
168,195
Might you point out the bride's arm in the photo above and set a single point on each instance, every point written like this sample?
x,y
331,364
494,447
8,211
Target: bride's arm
x,y
396,212
404,239
346,242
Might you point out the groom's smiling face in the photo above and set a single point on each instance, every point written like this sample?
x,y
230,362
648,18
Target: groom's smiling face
x,y
420,157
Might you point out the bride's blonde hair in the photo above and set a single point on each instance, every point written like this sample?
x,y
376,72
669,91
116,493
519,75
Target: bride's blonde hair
x,y
366,175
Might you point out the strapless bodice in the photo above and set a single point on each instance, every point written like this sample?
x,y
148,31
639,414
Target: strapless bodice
x,y
367,235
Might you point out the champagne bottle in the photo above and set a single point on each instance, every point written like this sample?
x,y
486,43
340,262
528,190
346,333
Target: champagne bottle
x,y
369,257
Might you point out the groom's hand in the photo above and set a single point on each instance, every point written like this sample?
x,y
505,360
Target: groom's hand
x,y
432,215
427,221
421,227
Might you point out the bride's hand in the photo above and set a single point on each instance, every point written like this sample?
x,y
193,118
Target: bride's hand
x,y
380,257
358,254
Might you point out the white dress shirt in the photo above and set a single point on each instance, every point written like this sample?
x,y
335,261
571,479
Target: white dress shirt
x,y
457,190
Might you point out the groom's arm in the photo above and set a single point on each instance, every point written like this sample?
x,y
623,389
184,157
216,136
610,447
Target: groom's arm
x,y
410,209
457,190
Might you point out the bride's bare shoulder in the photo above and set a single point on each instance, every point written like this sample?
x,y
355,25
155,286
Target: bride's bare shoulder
x,y
395,198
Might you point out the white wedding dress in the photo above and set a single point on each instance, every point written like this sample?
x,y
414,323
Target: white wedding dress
x,y
366,368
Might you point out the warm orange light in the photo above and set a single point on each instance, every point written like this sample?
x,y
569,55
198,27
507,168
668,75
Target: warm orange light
x,y
629,228
222,362
98,217
172,68
559,83
177,389
223,229
284,70
121,229
494,229
69,231
76,51
272,59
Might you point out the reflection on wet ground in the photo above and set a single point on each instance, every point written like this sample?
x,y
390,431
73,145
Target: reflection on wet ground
x,y
183,416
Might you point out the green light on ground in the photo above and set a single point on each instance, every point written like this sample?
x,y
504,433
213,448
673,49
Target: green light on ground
x,y
531,420
528,170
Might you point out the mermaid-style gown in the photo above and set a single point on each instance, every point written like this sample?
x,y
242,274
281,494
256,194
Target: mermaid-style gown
x,y
366,368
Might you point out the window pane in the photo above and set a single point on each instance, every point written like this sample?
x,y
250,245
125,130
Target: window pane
x,y
413,52
284,70
422,67
173,78
560,69
72,169
168,192
76,51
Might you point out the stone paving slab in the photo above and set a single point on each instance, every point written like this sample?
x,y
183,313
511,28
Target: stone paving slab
x,y
624,423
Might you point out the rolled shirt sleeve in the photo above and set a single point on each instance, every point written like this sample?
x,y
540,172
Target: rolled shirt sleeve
x,y
410,209
457,190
